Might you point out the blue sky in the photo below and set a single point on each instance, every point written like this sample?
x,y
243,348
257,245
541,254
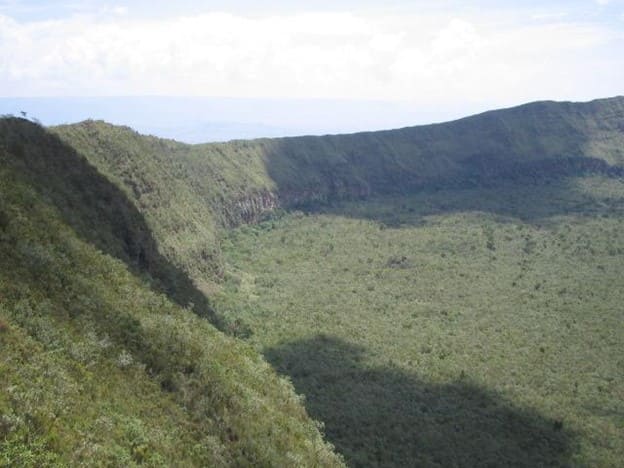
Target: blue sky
x,y
460,55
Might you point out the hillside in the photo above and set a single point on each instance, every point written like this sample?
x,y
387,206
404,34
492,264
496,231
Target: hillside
x,y
447,294
99,365
187,192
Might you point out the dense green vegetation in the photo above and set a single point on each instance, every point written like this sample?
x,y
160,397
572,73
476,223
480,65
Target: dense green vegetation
x,y
442,295
98,365
477,327
188,192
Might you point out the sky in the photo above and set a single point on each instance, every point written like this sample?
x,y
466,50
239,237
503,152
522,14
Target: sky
x,y
456,56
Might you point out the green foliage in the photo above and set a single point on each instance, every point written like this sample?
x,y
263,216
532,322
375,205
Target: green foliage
x,y
99,368
482,318
97,210
459,327
187,193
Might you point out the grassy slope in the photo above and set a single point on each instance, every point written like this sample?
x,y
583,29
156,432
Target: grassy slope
x,y
152,174
452,328
98,365
399,160
186,192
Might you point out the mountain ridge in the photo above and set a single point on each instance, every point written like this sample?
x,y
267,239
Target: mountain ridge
x,y
243,179
112,243
537,103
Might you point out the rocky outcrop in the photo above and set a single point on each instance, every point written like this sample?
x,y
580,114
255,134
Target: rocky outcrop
x,y
254,206
480,170
250,208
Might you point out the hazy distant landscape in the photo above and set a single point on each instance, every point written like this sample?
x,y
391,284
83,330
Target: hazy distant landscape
x,y
201,120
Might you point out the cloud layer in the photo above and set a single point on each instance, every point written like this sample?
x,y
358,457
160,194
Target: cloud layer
x,y
509,57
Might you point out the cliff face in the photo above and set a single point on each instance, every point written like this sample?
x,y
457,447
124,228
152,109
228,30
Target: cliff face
x,y
250,208
480,171
529,142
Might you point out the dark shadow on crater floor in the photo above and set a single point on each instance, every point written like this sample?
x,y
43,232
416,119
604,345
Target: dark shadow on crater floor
x,y
386,417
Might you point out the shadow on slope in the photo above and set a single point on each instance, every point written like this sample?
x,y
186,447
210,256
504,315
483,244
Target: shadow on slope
x,y
97,210
536,144
532,203
386,417
531,192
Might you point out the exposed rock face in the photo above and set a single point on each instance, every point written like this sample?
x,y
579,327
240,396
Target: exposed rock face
x,y
250,208
480,170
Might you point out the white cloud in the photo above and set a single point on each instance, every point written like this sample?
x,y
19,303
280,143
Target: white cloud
x,y
118,10
323,54
549,16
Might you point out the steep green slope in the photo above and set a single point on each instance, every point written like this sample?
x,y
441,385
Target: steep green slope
x,y
153,174
187,192
446,154
98,365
